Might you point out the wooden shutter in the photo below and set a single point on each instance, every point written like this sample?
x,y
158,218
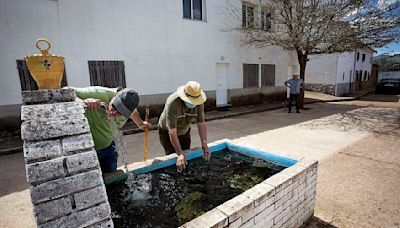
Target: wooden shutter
x,y
26,79
250,75
107,73
267,75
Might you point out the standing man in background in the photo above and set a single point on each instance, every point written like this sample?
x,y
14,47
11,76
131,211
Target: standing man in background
x,y
294,85
181,107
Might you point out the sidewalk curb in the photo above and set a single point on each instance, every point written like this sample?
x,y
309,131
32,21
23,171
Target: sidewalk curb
x,y
223,116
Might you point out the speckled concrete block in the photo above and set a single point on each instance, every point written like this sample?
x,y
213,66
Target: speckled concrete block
x,y
54,128
81,218
60,187
67,189
48,96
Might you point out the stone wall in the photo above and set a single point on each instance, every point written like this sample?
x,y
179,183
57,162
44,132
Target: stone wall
x,y
286,199
62,169
323,88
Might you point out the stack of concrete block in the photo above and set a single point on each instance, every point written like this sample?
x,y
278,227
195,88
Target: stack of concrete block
x,y
66,185
286,199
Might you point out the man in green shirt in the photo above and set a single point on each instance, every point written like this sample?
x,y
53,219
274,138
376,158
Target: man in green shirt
x,y
181,107
105,121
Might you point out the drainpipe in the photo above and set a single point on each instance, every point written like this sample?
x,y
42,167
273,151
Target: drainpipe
x,y
336,75
354,70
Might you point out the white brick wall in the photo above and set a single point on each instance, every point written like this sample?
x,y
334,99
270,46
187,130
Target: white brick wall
x,y
286,199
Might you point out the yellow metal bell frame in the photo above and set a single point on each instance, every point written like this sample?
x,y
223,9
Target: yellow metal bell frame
x,y
45,68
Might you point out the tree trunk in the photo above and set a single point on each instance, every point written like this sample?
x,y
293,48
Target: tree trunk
x,y
302,62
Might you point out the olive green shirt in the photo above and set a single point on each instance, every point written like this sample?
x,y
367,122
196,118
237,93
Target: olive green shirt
x,y
177,115
102,129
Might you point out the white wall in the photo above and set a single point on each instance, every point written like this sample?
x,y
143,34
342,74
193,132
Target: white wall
x,y
367,64
321,69
160,49
345,66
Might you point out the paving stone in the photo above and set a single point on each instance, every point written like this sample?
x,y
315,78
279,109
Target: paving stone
x,y
90,197
52,209
42,150
81,218
53,128
82,161
48,96
46,170
213,218
279,181
106,224
236,207
77,143
260,193
67,185
47,111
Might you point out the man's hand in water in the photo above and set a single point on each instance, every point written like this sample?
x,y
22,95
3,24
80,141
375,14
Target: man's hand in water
x,y
206,152
92,103
180,163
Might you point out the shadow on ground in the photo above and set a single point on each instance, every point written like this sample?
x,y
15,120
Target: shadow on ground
x,y
315,222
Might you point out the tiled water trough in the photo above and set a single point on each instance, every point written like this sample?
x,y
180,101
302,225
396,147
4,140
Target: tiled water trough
x,y
286,199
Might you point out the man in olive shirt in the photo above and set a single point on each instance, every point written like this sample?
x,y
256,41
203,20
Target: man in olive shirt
x,y
119,105
181,107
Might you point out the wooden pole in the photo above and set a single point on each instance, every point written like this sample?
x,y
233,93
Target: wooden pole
x,y
146,134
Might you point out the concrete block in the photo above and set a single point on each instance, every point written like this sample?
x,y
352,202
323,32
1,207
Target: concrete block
x,y
47,170
105,224
260,193
68,185
83,161
235,224
49,111
279,218
52,209
259,208
77,143
81,218
48,96
308,164
213,218
248,224
62,95
90,197
236,207
266,214
36,96
250,214
42,150
295,171
279,181
53,128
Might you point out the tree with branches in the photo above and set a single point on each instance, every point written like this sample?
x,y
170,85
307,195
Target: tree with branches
x,y
310,27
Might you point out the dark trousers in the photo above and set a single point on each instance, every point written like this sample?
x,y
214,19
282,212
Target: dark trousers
x,y
165,141
108,158
296,98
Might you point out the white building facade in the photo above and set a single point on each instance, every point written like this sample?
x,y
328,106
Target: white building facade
x,y
159,45
339,73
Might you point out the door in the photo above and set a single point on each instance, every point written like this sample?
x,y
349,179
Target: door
x,y
222,87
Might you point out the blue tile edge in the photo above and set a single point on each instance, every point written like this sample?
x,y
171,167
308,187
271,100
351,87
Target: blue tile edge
x,y
280,160
251,152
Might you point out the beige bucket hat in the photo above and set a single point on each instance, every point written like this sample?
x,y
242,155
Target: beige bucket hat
x,y
192,93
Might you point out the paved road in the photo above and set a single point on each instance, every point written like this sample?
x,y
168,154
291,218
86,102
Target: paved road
x,y
339,126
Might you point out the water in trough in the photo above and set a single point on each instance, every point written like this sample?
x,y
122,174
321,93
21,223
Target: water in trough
x,y
165,198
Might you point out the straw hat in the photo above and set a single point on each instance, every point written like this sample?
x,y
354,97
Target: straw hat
x,y
192,93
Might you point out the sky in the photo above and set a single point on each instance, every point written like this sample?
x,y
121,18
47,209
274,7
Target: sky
x,y
390,48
